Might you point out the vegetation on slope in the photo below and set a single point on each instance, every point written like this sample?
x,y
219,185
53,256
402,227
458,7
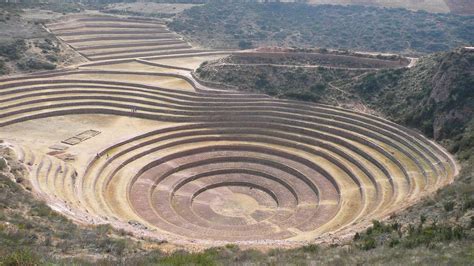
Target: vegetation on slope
x,y
300,74
308,84
435,96
26,47
343,27
30,230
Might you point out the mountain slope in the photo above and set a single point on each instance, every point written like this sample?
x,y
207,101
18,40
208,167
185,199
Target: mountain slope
x,y
464,7
435,96
361,28
438,6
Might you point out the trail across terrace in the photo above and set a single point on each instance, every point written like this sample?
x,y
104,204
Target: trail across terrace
x,y
178,160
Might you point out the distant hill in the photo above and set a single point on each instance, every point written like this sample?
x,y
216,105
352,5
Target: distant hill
x,y
362,28
437,6
465,7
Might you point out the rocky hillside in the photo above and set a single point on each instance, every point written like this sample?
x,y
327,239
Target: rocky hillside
x,y
361,28
25,46
435,96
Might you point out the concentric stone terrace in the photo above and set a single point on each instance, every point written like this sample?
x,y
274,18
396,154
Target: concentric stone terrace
x,y
100,38
180,160
227,166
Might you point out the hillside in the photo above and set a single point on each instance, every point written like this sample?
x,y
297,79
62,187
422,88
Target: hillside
x,y
25,46
464,7
435,96
359,28
437,6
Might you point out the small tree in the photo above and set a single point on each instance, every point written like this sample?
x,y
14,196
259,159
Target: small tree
x,y
243,44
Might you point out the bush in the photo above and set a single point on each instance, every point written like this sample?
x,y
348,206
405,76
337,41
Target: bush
x,y
183,258
52,58
41,210
312,248
432,234
468,203
318,88
448,206
47,45
367,244
245,44
3,164
3,68
22,257
13,50
33,63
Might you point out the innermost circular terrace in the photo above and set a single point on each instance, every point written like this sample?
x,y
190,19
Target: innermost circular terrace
x,y
233,204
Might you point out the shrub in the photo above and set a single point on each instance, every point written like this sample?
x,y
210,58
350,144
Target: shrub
x,y
3,164
13,50
113,246
47,45
245,44
468,203
368,244
41,210
33,63
448,206
432,234
318,88
232,247
184,258
3,68
312,248
22,257
52,58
